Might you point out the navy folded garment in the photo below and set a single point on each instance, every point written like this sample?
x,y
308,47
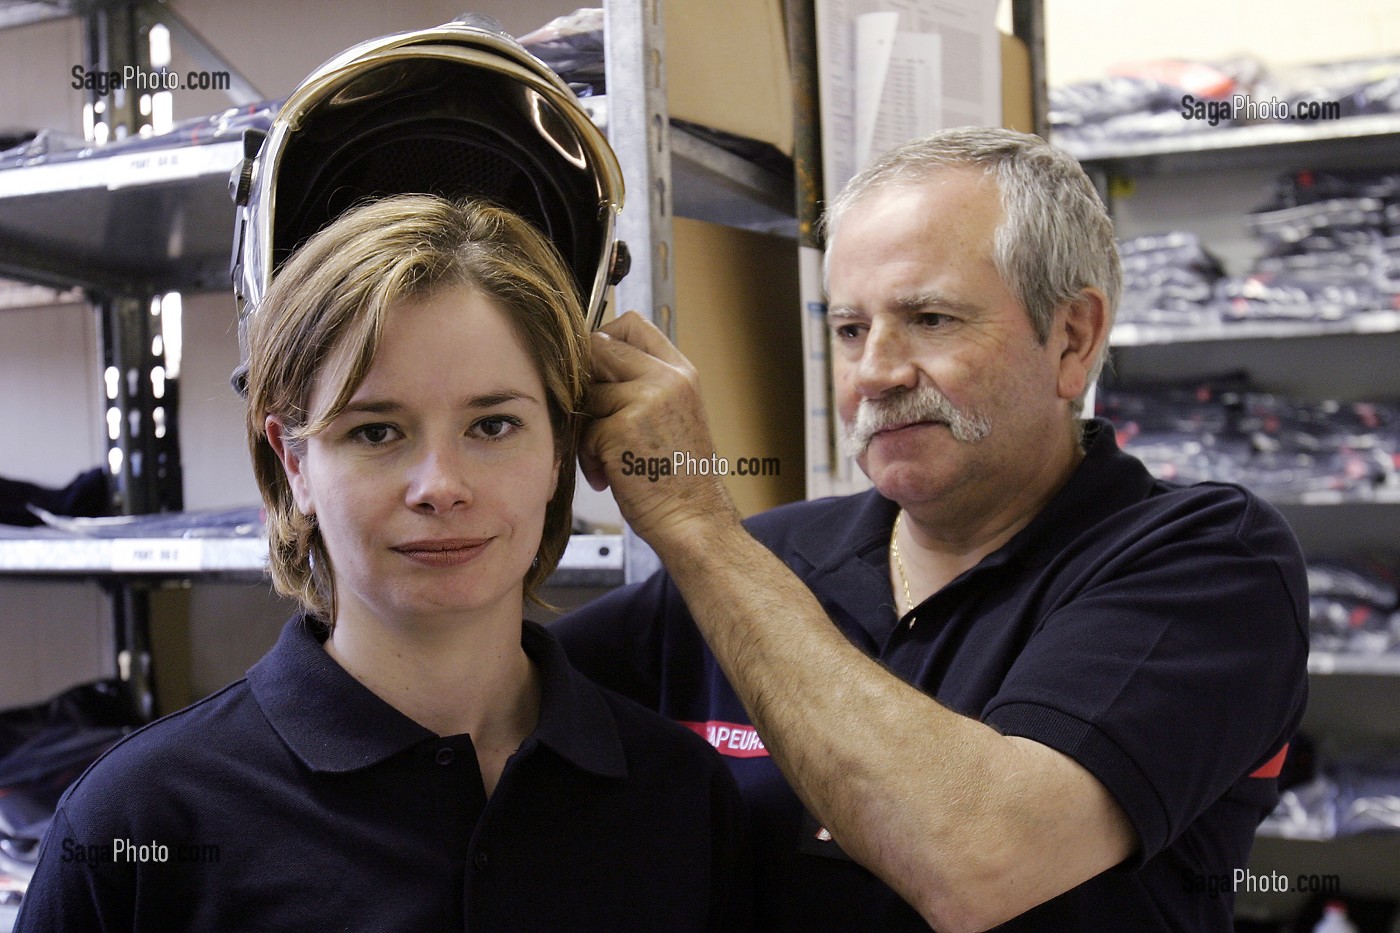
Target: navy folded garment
x,y
87,496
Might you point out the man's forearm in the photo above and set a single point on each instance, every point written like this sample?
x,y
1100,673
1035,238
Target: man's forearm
x,y
970,827
932,802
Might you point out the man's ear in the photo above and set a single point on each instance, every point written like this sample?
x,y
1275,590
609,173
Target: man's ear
x,y
1081,324
287,451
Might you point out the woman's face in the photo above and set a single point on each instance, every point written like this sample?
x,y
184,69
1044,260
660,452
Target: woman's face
x,y
430,488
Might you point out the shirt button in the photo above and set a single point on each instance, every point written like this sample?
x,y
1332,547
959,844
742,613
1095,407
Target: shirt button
x,y
445,756
482,860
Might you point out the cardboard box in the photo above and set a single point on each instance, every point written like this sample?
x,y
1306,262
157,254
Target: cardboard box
x,y
1017,112
727,67
737,322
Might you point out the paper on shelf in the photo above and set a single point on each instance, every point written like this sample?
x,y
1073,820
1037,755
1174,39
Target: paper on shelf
x,y
898,85
920,65
816,374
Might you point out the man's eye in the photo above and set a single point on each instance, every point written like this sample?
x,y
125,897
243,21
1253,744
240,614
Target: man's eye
x,y
932,319
848,331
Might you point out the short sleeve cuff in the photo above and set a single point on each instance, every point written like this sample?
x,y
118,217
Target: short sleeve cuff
x,y
1103,758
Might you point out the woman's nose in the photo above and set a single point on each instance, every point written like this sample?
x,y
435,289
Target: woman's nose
x,y
439,481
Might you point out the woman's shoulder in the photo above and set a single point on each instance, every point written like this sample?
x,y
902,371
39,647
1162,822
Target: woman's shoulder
x,y
182,748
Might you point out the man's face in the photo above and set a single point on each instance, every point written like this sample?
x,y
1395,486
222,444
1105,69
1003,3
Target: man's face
x,y
941,384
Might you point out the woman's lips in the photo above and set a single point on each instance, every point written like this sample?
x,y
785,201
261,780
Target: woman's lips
x,y
443,552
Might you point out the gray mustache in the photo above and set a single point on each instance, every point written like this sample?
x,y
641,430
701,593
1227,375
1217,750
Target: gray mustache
x,y
921,404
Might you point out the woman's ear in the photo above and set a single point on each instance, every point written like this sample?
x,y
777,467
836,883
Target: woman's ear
x,y
291,453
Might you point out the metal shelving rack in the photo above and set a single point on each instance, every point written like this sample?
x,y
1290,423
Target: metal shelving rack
x,y
24,12
127,225
1342,684
1370,322
1347,143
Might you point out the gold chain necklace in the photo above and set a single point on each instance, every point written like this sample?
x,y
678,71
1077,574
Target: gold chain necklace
x,y
899,564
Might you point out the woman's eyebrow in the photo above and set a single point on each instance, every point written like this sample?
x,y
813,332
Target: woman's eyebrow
x,y
499,397
491,399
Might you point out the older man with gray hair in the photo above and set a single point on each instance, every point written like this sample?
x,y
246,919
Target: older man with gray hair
x,y
1020,682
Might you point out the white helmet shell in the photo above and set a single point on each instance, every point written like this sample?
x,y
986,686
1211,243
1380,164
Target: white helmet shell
x,y
460,110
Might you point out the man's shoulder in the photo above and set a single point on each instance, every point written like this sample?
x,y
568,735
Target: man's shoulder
x,y
1209,528
1225,508
784,524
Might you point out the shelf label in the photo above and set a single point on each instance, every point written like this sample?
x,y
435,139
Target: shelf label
x,y
137,555
159,165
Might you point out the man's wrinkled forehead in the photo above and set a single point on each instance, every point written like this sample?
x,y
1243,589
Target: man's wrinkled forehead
x,y
907,186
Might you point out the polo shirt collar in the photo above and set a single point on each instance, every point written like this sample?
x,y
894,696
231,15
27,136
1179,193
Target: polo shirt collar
x,y
329,720
576,722
1106,482
848,550
334,723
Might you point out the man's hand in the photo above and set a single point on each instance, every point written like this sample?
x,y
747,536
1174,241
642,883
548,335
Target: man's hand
x,y
936,804
646,407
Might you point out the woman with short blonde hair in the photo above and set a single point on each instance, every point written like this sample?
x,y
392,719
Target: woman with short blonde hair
x,y
411,755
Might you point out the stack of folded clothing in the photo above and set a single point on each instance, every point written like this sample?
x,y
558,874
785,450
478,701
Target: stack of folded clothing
x,y
1168,280
87,495
1357,88
1331,250
1353,606
1223,430
1143,100
1350,794
1174,97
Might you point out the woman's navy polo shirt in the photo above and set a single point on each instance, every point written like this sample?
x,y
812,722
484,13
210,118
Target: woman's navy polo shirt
x,y
1156,634
296,799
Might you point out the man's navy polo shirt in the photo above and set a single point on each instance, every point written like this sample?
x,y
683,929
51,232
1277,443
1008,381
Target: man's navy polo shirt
x,y
1156,634
296,799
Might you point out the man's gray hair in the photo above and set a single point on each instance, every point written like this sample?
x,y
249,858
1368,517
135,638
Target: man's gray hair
x,y
1055,238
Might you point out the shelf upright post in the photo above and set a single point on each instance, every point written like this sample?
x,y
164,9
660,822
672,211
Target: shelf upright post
x,y
640,133
1028,24
131,614
112,40
143,457
140,403
639,130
